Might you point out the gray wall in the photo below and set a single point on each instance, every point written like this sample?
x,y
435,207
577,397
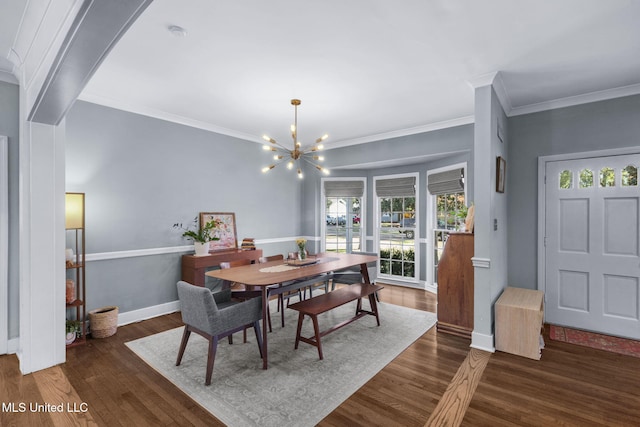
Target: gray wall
x,y
588,127
9,126
141,175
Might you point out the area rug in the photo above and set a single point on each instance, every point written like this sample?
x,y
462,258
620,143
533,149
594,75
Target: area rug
x,y
593,340
298,389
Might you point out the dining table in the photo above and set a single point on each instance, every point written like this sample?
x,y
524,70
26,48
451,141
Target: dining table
x,y
264,275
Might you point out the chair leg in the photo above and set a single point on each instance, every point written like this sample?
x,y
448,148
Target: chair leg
x,y
281,304
185,337
213,345
244,335
269,319
256,328
230,338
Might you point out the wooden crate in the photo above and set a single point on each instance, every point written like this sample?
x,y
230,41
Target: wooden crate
x,y
519,314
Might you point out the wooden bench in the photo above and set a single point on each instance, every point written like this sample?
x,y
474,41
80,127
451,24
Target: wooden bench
x,y
323,303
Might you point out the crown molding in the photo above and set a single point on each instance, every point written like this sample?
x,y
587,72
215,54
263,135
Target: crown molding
x,y
8,77
402,132
163,115
494,79
571,101
482,80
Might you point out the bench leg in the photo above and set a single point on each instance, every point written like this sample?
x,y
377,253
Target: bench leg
x,y
374,307
300,318
316,330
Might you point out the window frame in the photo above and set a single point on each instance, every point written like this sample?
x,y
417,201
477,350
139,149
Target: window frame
x,y
432,220
376,229
323,211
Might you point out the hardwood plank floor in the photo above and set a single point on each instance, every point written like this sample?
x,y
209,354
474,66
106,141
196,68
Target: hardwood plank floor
x,y
571,385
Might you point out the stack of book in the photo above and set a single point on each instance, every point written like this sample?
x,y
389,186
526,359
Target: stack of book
x,y
248,244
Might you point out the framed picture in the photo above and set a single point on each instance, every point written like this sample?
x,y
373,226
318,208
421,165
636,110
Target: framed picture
x,y
501,174
225,232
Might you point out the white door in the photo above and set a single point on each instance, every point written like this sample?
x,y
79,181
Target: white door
x,y
592,223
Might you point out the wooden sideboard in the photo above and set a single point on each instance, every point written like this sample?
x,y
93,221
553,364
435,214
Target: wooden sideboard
x,y
194,267
455,286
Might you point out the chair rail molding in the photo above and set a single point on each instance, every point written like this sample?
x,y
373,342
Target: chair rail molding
x,y
481,262
103,256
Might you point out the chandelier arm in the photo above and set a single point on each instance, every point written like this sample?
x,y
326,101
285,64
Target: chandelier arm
x,y
316,165
280,146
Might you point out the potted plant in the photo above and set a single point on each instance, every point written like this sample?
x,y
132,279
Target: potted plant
x,y
200,236
72,328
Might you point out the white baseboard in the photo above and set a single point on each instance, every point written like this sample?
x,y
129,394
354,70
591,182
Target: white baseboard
x,y
148,312
482,342
123,319
13,345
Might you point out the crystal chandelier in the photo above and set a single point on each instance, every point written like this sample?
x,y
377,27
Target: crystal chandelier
x,y
293,157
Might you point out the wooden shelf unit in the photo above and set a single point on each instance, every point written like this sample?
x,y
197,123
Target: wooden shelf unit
x,y
519,315
75,230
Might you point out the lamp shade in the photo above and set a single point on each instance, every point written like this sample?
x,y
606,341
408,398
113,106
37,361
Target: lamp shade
x,y
74,210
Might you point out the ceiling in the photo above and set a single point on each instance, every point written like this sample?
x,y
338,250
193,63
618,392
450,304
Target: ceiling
x,y
364,69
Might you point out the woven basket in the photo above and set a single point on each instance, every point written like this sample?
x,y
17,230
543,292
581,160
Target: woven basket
x,y
104,322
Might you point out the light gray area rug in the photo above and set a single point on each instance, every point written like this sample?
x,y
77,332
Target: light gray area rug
x,y
298,389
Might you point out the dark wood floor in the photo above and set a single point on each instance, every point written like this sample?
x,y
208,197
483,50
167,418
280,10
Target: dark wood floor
x,y
571,385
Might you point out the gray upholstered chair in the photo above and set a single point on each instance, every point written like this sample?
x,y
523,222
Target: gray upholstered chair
x,y
352,275
215,316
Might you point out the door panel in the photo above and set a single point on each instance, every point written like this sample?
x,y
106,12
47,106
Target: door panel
x,y
592,235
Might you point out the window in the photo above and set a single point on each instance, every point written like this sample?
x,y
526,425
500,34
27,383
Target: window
x,y
343,201
586,178
566,180
397,227
449,210
630,176
607,177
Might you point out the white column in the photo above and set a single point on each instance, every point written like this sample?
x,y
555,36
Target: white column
x,y
42,267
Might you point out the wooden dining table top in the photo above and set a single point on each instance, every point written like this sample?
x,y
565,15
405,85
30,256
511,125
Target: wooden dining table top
x,y
263,274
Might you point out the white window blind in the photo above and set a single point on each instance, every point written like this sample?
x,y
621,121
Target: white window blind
x,y
344,188
396,187
446,182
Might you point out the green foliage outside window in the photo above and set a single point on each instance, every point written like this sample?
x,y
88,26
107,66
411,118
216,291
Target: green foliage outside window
x,y
393,260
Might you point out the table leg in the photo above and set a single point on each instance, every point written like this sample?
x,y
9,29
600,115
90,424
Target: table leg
x,y
265,312
365,272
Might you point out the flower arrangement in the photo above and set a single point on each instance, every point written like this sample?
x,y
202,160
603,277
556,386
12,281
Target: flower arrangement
x,y
200,235
302,243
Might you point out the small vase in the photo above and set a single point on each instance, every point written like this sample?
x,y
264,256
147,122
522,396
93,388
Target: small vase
x,y
70,337
302,254
202,249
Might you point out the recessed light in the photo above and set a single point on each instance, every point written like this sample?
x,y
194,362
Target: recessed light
x,y
177,30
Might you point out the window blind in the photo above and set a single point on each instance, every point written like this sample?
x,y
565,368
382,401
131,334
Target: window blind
x,y
344,188
446,182
396,187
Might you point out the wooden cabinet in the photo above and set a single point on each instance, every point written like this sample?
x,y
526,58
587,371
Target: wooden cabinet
x,y
194,267
455,286
519,315
75,267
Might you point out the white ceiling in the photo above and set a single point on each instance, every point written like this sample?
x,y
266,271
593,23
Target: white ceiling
x,y
364,69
